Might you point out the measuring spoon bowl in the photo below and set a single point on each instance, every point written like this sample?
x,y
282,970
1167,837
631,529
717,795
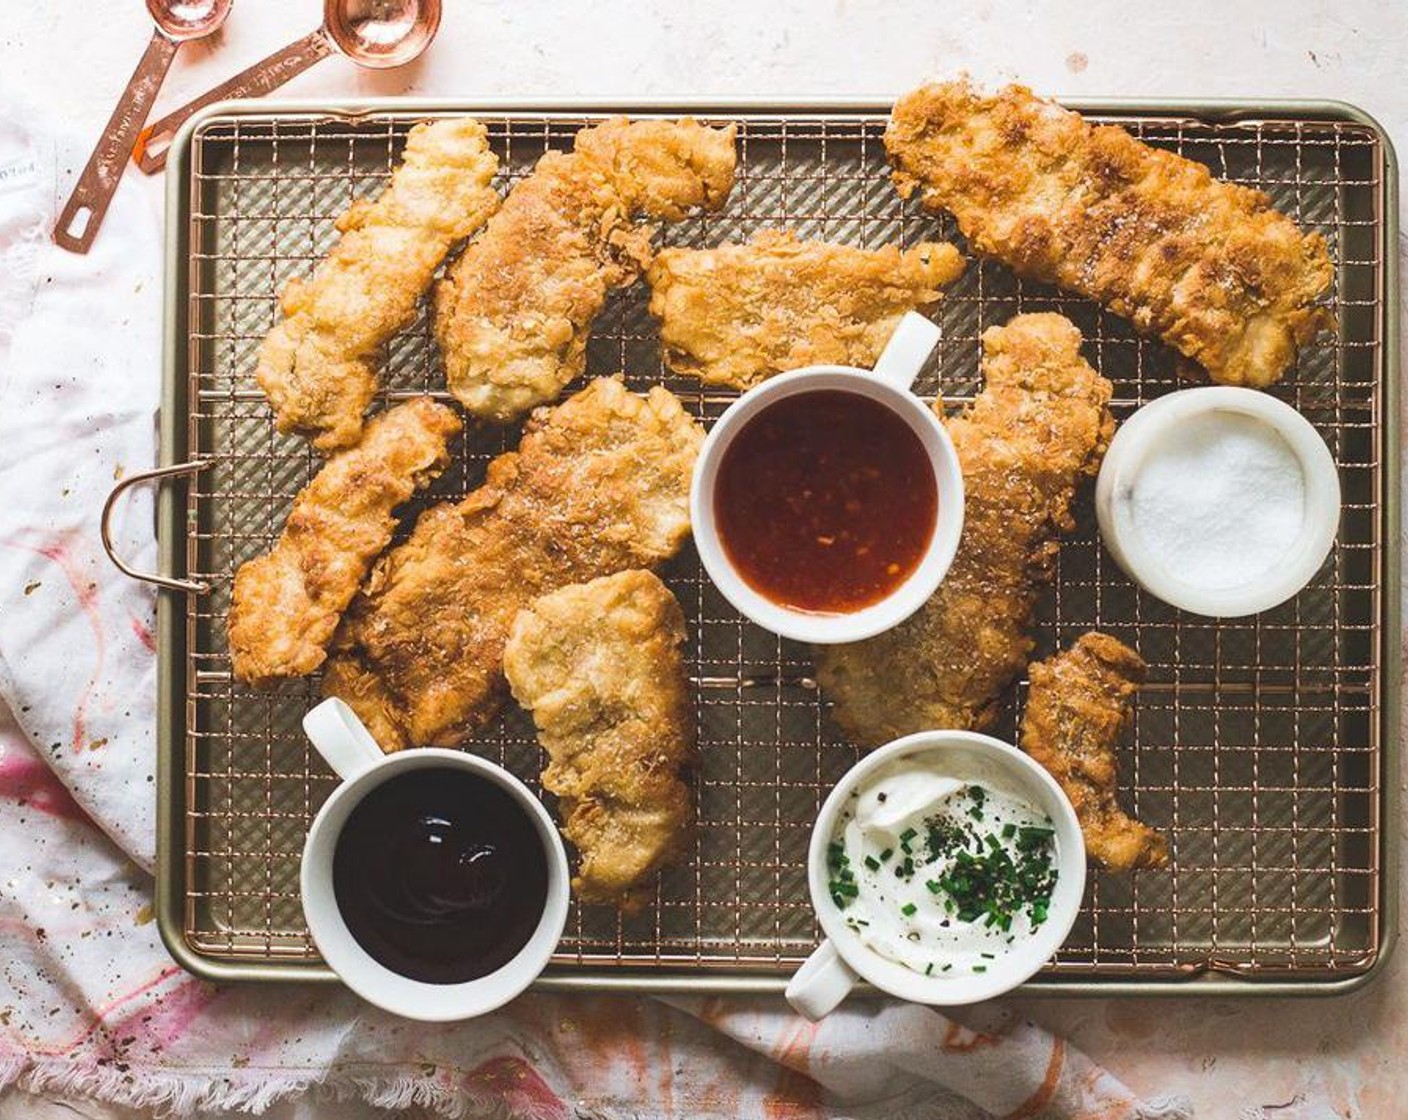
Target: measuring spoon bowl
x,y
382,34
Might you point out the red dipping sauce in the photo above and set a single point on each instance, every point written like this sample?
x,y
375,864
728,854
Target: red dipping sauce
x,y
825,502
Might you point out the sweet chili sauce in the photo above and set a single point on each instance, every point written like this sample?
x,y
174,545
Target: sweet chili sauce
x,y
825,501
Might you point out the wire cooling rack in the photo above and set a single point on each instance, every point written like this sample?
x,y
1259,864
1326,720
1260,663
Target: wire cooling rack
x,y
1258,744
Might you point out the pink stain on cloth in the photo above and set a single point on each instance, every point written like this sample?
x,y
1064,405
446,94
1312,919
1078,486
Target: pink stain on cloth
x,y
91,1004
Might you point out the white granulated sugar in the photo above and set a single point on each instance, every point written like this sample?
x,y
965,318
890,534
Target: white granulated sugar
x,y
1219,501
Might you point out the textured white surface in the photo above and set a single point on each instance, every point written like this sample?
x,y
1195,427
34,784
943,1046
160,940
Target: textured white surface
x,y
1305,1060
76,57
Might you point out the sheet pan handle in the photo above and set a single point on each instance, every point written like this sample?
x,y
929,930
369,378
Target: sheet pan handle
x,y
171,583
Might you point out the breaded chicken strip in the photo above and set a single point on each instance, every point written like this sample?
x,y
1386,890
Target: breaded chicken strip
x,y
515,312
1206,265
1078,707
598,484
738,314
1038,428
318,366
286,604
599,666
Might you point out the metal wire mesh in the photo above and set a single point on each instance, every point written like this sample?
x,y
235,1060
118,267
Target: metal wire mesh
x,y
1256,742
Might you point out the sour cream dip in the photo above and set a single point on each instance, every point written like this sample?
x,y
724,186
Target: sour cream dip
x,y
946,867
940,873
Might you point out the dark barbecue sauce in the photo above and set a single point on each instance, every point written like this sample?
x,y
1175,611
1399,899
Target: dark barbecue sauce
x,y
825,501
440,875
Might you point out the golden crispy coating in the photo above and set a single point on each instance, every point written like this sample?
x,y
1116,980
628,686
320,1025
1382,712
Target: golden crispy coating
x,y
738,314
599,666
1078,707
598,484
1038,428
318,366
515,312
286,603
1207,266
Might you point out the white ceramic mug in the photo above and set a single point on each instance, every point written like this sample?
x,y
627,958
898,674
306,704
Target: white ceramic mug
x,y
889,384
843,960
348,747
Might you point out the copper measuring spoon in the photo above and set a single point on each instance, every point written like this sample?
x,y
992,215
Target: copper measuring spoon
x,y
378,34
177,22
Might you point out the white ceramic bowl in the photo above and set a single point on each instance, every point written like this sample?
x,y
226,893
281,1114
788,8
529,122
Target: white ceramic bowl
x,y
843,958
349,748
888,384
1154,427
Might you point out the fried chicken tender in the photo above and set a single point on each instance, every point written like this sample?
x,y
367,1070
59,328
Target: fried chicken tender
x,y
1078,707
1037,429
598,484
738,314
599,666
1205,265
318,366
286,604
515,312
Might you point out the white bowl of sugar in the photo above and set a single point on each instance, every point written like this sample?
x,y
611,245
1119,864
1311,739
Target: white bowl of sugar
x,y
1219,500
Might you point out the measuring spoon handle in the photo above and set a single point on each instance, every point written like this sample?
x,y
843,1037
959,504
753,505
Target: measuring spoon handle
x,y
81,217
268,74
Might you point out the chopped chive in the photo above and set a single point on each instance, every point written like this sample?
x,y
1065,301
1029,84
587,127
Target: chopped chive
x,y
929,969
933,885
980,968
908,834
872,863
886,854
908,909
1031,837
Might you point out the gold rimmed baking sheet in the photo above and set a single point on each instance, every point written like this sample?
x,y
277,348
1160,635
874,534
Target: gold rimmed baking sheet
x,y
1259,743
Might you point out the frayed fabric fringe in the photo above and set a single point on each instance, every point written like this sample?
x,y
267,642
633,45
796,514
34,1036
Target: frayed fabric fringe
x,y
168,1094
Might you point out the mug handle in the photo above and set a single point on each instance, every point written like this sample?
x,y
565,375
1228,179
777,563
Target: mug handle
x,y
822,982
907,351
341,738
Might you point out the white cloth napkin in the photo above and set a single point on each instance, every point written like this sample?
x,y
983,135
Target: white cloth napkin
x,y
79,382
91,1004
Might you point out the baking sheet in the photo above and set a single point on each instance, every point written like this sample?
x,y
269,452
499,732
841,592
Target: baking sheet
x,y
1259,743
